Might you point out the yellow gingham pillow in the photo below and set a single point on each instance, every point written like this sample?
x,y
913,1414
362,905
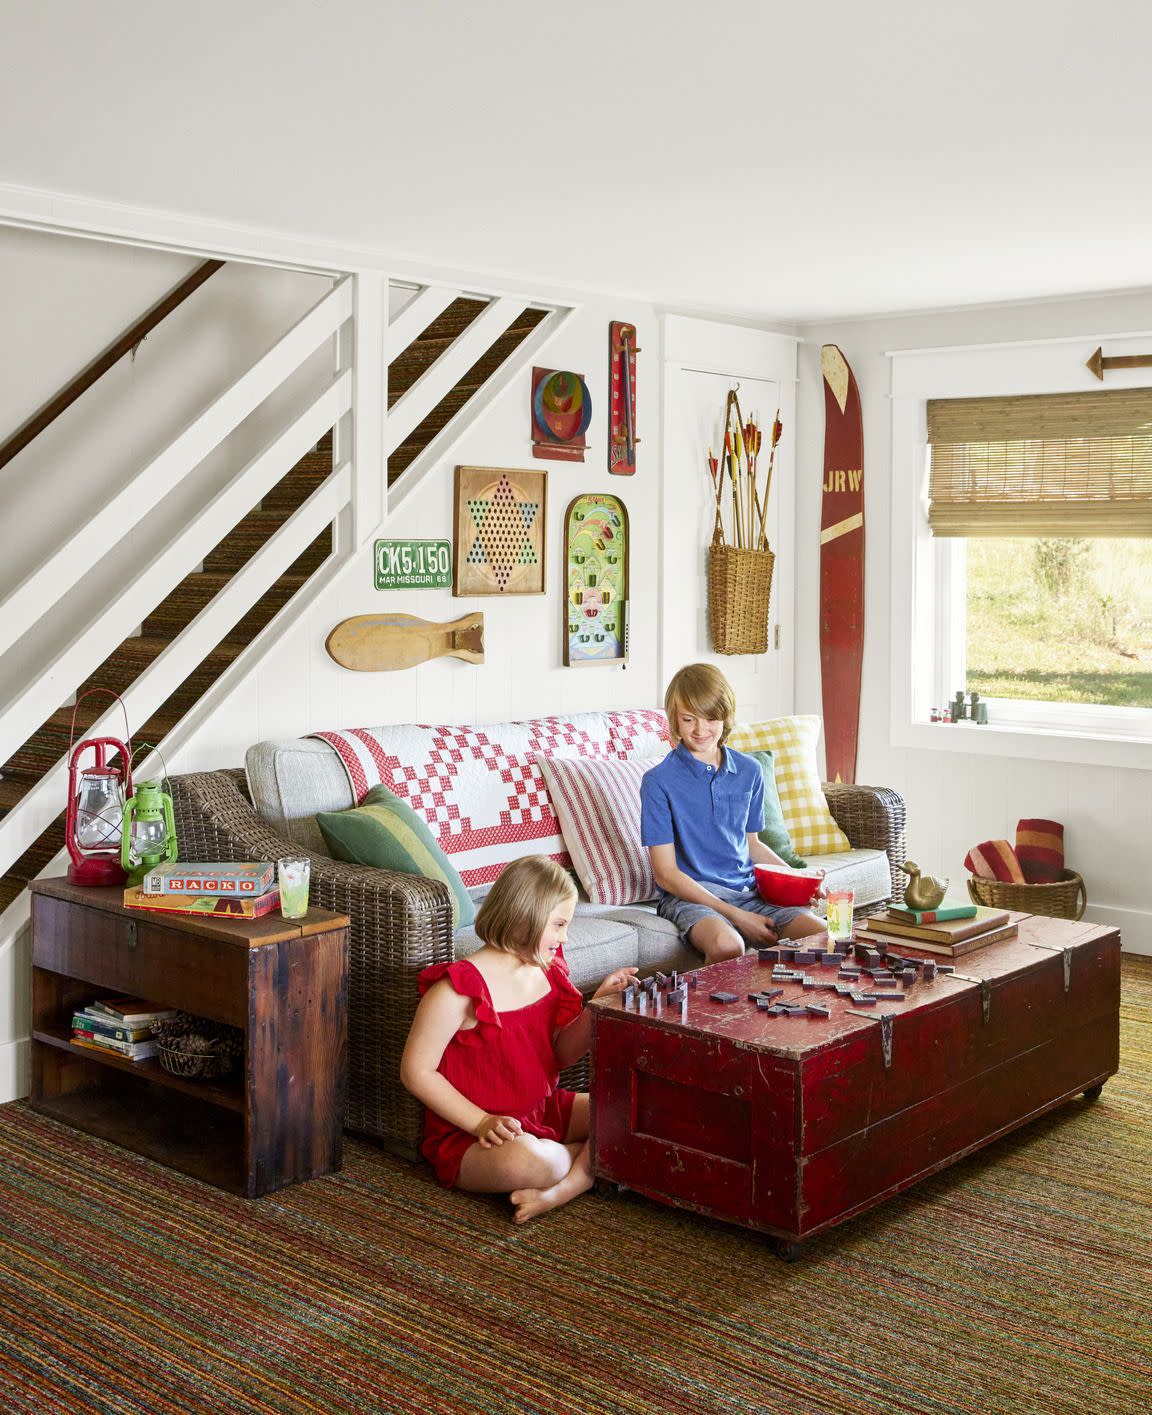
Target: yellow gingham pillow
x,y
792,742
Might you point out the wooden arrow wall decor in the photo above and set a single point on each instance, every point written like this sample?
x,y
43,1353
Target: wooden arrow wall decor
x,y
1098,363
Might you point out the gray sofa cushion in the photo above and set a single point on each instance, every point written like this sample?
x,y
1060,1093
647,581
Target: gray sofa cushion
x,y
290,780
596,944
864,871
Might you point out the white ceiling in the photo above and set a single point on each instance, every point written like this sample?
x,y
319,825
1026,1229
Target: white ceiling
x,y
790,162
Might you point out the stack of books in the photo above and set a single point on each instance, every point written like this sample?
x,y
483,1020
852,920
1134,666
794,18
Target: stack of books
x,y
953,928
230,890
119,1024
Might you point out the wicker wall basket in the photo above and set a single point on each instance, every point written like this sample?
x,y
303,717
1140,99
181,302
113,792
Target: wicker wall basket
x,y
739,592
1065,898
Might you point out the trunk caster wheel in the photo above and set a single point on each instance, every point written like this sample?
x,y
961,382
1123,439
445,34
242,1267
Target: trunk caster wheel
x,y
1093,1091
787,1250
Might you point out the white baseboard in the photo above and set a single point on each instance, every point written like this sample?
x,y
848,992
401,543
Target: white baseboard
x,y
15,1079
1135,926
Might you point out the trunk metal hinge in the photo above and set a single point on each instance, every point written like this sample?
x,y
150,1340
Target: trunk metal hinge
x,y
1067,968
886,1030
985,990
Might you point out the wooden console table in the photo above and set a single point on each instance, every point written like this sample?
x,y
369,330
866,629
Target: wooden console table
x,y
283,982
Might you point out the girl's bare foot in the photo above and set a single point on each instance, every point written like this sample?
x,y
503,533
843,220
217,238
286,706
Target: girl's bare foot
x,y
531,1202
528,1203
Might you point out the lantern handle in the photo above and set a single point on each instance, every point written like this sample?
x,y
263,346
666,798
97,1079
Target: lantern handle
x,y
152,747
127,730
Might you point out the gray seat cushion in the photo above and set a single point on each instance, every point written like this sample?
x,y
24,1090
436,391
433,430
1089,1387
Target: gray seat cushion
x,y
595,946
865,872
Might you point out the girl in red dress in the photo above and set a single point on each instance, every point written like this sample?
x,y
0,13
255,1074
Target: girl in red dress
x,y
489,1038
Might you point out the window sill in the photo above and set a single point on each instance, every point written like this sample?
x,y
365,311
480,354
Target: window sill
x,y
1033,743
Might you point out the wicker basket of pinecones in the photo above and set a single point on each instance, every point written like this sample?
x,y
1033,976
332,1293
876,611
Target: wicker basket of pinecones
x,y
187,1045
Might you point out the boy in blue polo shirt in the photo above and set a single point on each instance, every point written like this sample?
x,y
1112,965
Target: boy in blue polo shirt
x,y
700,811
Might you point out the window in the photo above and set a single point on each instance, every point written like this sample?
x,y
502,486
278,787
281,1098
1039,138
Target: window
x,y
1040,513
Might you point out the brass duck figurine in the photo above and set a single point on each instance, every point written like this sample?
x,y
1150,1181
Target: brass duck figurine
x,y
924,891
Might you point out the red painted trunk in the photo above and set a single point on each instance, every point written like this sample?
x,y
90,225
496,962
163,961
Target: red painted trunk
x,y
841,565
790,1125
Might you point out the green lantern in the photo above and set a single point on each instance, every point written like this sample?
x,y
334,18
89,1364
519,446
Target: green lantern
x,y
147,832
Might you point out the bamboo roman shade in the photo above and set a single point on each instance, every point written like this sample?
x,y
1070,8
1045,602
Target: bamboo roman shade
x,y
1063,464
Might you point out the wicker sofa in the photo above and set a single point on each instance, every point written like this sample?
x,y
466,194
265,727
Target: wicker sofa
x,y
402,923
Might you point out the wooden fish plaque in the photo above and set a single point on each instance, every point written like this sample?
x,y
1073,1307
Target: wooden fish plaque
x,y
378,643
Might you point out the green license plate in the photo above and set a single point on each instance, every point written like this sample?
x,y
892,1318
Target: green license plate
x,y
413,564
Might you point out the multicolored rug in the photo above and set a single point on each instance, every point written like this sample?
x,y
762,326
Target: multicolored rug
x,y
1016,1283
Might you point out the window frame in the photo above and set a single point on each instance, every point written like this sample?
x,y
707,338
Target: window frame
x,y
928,656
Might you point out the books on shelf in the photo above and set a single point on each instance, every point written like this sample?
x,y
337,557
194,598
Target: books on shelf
x,y
132,1011
245,879
943,930
204,906
874,934
947,909
131,1051
89,1019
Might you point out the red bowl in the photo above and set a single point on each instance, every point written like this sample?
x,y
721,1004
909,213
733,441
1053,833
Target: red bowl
x,y
783,886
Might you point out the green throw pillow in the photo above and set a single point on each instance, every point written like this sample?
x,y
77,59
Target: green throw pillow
x,y
775,832
386,833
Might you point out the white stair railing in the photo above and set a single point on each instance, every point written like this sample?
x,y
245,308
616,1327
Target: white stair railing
x,y
22,825
114,621
61,571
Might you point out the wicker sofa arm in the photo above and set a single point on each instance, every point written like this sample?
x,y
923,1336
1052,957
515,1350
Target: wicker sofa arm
x,y
400,924
872,817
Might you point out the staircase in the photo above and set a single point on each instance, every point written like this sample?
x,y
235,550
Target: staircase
x,y
128,660
419,357
44,750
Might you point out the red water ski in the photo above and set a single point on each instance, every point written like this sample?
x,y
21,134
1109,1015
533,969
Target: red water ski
x,y
841,565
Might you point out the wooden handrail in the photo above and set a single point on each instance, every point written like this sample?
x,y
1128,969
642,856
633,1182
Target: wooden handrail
x,y
103,362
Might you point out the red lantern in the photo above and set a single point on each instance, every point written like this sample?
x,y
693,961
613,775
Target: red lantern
x,y
96,798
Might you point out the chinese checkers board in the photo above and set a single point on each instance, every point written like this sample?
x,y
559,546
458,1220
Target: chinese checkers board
x,y
596,567
841,565
622,437
500,518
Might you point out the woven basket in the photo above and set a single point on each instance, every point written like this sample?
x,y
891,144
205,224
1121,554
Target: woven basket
x,y
1065,898
739,591
193,1046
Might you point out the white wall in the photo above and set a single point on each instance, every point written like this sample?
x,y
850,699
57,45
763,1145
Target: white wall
x,y
956,799
301,690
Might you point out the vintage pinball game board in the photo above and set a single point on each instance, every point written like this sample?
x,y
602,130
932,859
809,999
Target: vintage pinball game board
x,y
596,565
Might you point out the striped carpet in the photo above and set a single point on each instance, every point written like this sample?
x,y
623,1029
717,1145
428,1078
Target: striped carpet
x,y
1018,1281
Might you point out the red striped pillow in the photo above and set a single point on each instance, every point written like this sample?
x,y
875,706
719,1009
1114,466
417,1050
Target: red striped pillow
x,y
1040,849
994,859
597,802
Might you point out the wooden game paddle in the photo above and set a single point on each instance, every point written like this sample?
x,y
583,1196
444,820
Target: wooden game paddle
x,y
374,643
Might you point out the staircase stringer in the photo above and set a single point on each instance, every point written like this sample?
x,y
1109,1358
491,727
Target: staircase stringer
x,y
477,406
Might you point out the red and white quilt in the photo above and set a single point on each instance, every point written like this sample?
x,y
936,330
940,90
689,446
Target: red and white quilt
x,y
479,788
